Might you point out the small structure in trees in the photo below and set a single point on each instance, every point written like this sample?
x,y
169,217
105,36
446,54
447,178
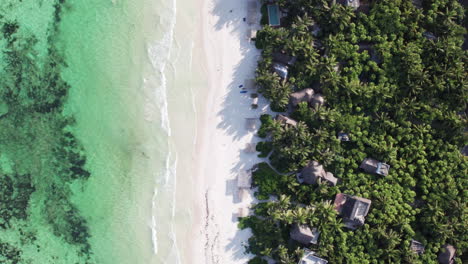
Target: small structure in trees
x,y
304,234
252,12
342,136
464,151
252,34
429,35
314,172
310,258
351,3
374,166
447,254
418,3
353,209
284,120
284,58
417,247
281,70
304,95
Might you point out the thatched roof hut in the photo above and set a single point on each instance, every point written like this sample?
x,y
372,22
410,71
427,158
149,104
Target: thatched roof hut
x,y
374,166
252,12
286,120
304,95
317,100
303,234
353,209
314,171
417,247
447,255
244,179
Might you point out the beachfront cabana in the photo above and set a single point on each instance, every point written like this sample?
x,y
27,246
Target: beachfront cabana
x,y
244,179
417,247
304,234
314,172
304,95
252,34
286,121
251,123
374,166
353,209
447,254
274,16
250,148
310,258
252,12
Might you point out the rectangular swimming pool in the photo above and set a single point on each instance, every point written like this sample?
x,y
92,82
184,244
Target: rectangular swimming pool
x,y
273,15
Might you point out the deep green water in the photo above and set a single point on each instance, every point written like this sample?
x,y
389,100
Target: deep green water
x,y
73,154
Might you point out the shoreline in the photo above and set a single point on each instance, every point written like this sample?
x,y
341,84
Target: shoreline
x,y
221,135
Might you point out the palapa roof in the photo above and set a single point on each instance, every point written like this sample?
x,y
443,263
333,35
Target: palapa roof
x,y
244,179
309,258
353,209
447,254
417,247
251,123
314,171
304,95
304,234
317,100
284,58
374,166
286,120
252,12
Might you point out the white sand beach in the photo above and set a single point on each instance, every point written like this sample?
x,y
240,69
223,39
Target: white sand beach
x,y
222,136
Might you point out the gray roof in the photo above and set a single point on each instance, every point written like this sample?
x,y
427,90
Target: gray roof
x,y
352,3
309,258
417,247
314,171
304,95
353,209
284,58
281,70
371,165
464,151
447,254
304,235
317,100
286,120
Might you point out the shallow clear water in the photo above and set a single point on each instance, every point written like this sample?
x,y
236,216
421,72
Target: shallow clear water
x,y
134,113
